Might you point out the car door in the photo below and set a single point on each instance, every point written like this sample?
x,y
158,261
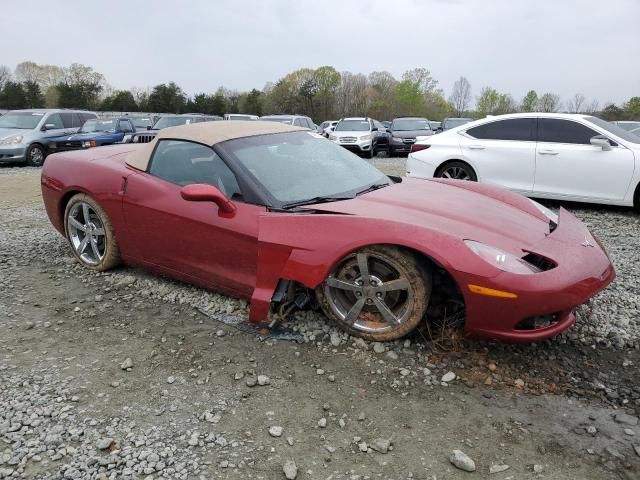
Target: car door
x,y
126,130
381,134
56,127
568,166
503,152
188,238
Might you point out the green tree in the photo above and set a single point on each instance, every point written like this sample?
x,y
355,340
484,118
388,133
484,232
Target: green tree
x,y
549,102
632,108
410,100
13,96
33,95
120,101
529,102
612,112
166,98
487,102
253,104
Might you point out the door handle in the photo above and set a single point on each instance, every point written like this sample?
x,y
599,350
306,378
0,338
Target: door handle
x,y
547,152
477,147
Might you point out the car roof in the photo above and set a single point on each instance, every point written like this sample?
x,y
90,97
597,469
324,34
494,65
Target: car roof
x,y
208,133
49,110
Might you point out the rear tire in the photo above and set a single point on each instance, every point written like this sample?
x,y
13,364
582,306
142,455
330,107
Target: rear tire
x,y
90,234
379,293
457,170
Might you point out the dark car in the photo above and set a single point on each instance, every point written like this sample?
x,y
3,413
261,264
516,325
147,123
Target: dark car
x,y
166,121
94,133
403,132
449,123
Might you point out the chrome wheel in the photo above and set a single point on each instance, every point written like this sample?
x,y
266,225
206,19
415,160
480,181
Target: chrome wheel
x,y
35,156
86,233
368,293
456,173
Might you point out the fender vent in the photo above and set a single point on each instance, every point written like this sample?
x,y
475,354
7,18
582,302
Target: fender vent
x,y
544,264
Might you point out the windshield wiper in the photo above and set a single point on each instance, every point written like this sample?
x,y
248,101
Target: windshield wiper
x,y
311,201
375,186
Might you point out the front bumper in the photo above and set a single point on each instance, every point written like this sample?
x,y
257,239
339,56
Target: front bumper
x,y
583,270
13,153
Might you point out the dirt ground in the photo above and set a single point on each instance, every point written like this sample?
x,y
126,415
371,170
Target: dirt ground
x,y
65,333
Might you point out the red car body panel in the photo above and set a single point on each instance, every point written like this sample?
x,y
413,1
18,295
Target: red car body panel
x,y
248,254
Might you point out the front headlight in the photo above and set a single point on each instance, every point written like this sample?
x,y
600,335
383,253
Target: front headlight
x,y
365,138
547,213
397,139
500,259
89,144
12,140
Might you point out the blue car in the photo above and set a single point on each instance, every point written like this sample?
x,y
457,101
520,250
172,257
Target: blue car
x,y
95,133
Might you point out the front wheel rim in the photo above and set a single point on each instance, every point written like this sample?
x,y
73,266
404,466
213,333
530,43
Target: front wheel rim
x,y
86,233
36,156
370,294
456,173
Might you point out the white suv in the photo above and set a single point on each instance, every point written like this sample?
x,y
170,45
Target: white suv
x,y
357,134
545,155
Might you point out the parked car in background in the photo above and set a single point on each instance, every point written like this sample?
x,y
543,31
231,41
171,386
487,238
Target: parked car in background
x,y
24,133
449,123
358,135
627,125
326,127
278,217
435,126
635,131
239,116
546,155
403,132
386,123
166,121
382,142
95,133
296,120
141,122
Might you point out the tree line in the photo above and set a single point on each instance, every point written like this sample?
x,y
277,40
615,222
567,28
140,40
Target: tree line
x,y
321,93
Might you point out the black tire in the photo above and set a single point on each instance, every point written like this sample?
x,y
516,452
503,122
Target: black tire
x,y
36,155
97,220
457,170
371,153
389,151
352,299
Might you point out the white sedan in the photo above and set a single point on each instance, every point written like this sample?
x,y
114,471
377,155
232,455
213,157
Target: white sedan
x,y
544,155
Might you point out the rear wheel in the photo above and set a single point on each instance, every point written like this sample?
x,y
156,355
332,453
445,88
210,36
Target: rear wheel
x,y
90,234
378,293
457,171
36,155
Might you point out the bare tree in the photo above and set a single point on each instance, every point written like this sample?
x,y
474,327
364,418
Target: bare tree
x,y
592,107
549,102
5,76
461,96
575,103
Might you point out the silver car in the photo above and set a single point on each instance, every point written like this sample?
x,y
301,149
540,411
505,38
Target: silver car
x,y
24,133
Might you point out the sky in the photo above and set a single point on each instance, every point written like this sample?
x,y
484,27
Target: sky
x,y
562,46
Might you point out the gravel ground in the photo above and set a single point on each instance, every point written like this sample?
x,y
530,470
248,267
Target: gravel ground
x,y
118,376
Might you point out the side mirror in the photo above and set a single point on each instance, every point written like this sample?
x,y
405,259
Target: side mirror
x,y
202,192
374,129
601,141
48,126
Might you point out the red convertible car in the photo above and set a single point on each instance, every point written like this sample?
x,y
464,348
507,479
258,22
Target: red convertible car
x,y
260,210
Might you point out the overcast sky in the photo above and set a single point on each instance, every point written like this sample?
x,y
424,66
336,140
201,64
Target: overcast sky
x,y
562,46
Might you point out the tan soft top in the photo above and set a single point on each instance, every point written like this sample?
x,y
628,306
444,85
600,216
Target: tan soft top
x,y
208,133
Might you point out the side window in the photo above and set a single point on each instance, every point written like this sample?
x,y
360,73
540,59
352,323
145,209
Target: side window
x,y
513,129
77,121
54,119
184,163
125,126
87,116
67,119
555,130
299,122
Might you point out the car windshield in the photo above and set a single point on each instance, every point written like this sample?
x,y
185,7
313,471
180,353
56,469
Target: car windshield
x,y
455,122
25,120
628,126
91,126
141,122
614,129
165,122
285,120
353,126
406,124
298,166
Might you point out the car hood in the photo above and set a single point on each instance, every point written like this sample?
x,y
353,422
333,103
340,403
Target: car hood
x,y
83,136
457,209
8,132
410,133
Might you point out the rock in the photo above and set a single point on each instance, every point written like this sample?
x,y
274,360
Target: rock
x,y
104,443
591,430
404,372
519,383
449,377
335,339
331,378
629,431
290,441
636,448
239,375
460,460
275,431
380,445
378,347
170,380
194,439
322,423
128,363
251,381
625,419
361,417
498,468
363,447
220,333
290,470
263,380
391,355
319,371
537,468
